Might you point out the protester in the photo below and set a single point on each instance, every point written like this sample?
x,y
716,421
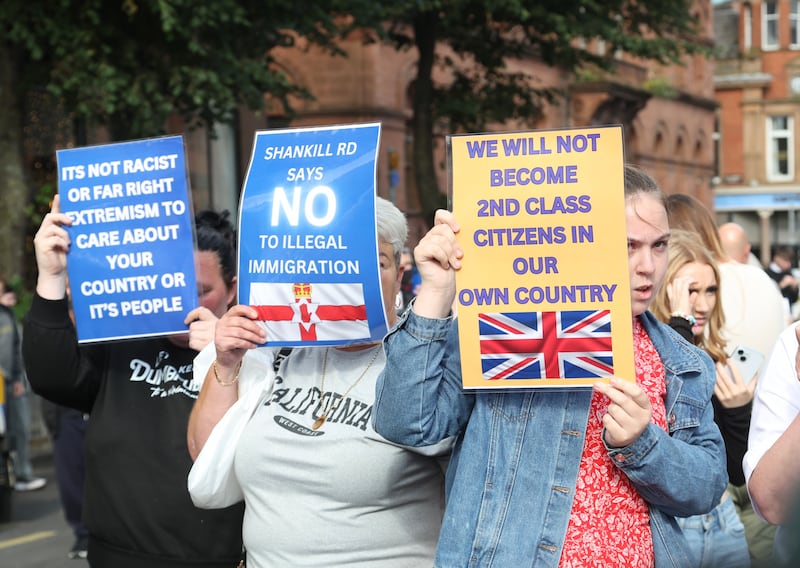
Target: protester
x,y
17,406
736,244
755,315
411,281
689,301
137,508
780,270
321,488
591,477
772,461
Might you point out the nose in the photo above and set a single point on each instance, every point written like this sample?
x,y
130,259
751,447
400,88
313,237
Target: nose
x,y
644,262
701,303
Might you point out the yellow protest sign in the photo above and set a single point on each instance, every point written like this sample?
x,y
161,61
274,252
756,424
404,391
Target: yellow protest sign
x,y
543,296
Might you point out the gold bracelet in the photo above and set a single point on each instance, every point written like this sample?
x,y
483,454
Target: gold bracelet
x,y
220,381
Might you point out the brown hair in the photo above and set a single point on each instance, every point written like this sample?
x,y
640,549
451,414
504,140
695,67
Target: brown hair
x,y
687,213
637,181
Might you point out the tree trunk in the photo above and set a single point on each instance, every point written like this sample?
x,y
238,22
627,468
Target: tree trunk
x,y
430,198
14,192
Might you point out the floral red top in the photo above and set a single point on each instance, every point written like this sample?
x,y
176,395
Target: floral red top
x,y
610,523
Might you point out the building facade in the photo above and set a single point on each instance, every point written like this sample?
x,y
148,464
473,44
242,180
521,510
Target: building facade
x,y
757,85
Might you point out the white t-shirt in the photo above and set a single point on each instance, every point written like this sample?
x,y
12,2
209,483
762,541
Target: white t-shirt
x,y
340,495
777,400
755,313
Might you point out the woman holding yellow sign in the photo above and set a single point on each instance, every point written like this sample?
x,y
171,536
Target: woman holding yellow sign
x,y
589,477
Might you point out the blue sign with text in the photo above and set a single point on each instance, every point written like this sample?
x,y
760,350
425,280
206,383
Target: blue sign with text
x,y
131,260
308,247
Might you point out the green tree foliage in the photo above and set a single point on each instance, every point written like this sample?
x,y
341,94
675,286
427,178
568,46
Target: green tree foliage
x,y
488,33
130,64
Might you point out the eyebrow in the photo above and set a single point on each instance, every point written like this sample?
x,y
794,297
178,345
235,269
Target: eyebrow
x,y
662,237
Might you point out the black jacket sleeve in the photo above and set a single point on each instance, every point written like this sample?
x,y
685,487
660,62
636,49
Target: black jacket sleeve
x,y
734,425
58,368
683,327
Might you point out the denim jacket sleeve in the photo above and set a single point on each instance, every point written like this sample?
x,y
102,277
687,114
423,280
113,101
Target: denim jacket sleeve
x,y
419,399
682,472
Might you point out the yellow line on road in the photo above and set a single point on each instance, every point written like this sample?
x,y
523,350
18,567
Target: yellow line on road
x,y
33,537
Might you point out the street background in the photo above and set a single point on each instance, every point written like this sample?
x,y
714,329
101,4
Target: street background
x,y
37,536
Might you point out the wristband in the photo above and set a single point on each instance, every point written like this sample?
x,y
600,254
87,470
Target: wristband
x,y
688,317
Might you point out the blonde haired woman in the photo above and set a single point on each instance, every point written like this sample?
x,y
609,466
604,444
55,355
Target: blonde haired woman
x,y
690,302
683,304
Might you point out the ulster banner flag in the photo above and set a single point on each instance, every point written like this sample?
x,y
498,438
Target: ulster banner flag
x,y
539,345
311,312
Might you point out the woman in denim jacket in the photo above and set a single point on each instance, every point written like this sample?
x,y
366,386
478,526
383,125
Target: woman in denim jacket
x,y
560,478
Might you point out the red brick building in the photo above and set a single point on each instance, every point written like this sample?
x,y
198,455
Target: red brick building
x,y
667,113
757,85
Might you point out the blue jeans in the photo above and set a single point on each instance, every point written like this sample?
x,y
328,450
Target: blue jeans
x,y
18,423
717,538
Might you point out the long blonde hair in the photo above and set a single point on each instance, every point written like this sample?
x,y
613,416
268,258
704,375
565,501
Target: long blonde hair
x,y
686,247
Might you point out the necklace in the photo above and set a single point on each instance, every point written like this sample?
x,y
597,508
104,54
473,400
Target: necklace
x,y
324,416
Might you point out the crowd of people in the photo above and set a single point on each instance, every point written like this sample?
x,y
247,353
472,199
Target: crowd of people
x,y
373,454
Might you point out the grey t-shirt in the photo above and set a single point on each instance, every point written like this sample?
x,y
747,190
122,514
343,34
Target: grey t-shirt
x,y
340,495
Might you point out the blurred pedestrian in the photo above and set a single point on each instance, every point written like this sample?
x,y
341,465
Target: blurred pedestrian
x,y
17,405
780,270
736,244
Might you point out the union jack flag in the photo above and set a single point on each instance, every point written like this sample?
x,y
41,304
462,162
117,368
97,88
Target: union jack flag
x,y
539,345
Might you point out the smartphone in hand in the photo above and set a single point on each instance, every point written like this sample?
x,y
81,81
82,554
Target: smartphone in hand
x,y
748,360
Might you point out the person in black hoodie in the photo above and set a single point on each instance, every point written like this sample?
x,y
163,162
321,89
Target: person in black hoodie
x,y
139,393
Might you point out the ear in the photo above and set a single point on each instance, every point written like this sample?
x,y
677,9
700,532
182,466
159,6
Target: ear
x,y
399,279
231,299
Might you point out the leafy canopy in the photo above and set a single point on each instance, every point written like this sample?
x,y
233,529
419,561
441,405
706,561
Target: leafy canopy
x,y
487,34
130,63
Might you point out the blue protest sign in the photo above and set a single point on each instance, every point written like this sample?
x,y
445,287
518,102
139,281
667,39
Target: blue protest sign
x,y
131,258
308,247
